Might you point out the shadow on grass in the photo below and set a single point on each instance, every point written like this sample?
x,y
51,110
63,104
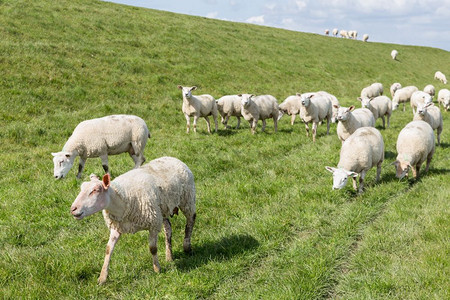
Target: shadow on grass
x,y
220,250
443,145
389,155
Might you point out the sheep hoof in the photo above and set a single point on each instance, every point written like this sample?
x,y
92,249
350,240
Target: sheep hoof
x,y
101,280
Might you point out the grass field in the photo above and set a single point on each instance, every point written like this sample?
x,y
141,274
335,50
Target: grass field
x,y
268,224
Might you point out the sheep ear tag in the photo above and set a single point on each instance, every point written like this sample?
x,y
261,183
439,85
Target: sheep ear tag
x,y
106,181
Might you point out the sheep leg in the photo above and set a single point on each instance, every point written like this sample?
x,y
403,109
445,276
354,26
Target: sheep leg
x,y
382,119
190,221
275,123
114,236
168,235
328,125
354,183
429,157
215,122
104,159
195,123
378,171
415,170
292,119
81,166
208,124
361,181
388,120
188,123
263,125
253,124
153,241
439,130
239,122
314,130
225,121
307,129
404,106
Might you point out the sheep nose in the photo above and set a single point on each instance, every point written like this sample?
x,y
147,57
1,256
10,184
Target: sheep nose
x,y
73,209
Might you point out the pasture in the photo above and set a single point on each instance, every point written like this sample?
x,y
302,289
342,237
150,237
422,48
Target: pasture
x,y
268,224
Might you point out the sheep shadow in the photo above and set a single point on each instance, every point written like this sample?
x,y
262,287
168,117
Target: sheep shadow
x,y
223,249
389,155
443,145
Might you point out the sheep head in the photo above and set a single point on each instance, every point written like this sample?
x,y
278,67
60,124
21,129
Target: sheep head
x,y
246,99
63,162
187,90
344,113
340,177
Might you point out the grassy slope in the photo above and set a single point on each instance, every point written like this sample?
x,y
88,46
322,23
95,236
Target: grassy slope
x,y
266,227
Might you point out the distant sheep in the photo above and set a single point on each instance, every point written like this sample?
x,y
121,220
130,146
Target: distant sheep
x,y
432,115
403,95
444,98
353,34
101,137
198,106
290,106
419,97
256,108
343,33
394,54
314,109
372,91
365,37
363,150
430,90
327,31
379,106
229,106
350,119
335,32
394,87
440,76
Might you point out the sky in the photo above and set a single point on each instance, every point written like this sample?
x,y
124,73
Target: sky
x,y
408,22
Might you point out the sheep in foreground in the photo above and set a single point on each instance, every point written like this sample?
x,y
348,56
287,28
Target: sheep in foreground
x,y
372,91
198,106
101,137
291,107
334,101
315,108
379,106
335,32
229,106
350,119
403,95
394,87
444,98
415,144
365,37
432,115
440,76
394,54
419,97
256,108
430,90
363,150
327,31
141,199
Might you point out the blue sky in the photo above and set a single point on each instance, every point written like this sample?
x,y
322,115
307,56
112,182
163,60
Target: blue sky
x,y
409,22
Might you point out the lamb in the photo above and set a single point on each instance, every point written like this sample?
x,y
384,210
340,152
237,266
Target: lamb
x,y
198,106
291,107
141,199
372,91
335,32
363,150
415,144
351,119
229,106
365,37
444,98
256,108
394,87
419,97
327,31
315,108
440,76
343,33
432,115
403,95
430,90
379,106
101,137
394,54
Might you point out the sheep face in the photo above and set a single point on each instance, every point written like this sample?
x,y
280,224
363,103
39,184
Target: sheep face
x,y
246,99
365,102
340,177
344,113
305,100
395,105
401,168
92,198
422,108
187,90
63,162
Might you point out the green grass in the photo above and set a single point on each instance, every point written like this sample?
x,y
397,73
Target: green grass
x,y
268,226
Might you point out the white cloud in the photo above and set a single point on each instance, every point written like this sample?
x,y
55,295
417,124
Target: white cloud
x,y
256,20
270,6
300,4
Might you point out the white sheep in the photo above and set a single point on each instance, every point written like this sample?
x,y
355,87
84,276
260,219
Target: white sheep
x,y
432,115
229,106
101,137
198,106
415,144
403,95
430,90
141,199
379,106
444,98
350,119
343,33
335,32
261,107
394,54
327,31
363,150
419,97
440,76
394,87
314,109
372,91
334,101
365,37
353,34
291,107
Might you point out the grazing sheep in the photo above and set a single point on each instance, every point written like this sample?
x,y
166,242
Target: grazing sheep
x,y
141,199
432,115
394,54
430,90
372,91
365,37
403,95
363,150
315,108
327,31
198,106
335,32
419,97
444,98
415,144
256,108
379,106
440,76
353,34
350,119
334,101
229,106
343,33
291,107
394,87
101,137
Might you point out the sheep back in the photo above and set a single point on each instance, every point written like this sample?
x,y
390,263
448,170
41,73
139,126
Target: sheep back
x,y
291,105
267,106
415,142
229,105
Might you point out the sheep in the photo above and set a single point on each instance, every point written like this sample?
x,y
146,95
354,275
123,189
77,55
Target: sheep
x,y
440,76
350,119
256,108
415,144
372,91
379,106
394,54
419,97
363,150
198,106
335,32
403,95
432,115
141,199
394,87
353,34
291,107
101,137
365,37
229,106
444,98
315,108
343,33
334,101
327,31
430,90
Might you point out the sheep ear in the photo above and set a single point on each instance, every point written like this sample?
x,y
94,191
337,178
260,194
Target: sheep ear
x,y
106,181
55,153
352,174
359,99
330,169
429,104
193,88
93,176
351,108
298,94
239,95
180,87
336,106
395,163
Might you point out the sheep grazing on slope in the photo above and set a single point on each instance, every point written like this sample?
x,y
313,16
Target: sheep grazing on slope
x,y
335,32
101,137
327,31
343,33
229,106
363,150
419,97
141,199
256,108
198,106
353,34
379,106
334,101
365,37
440,76
394,87
432,115
291,107
350,119
444,98
394,54
315,108
403,95
430,90
415,144
372,91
